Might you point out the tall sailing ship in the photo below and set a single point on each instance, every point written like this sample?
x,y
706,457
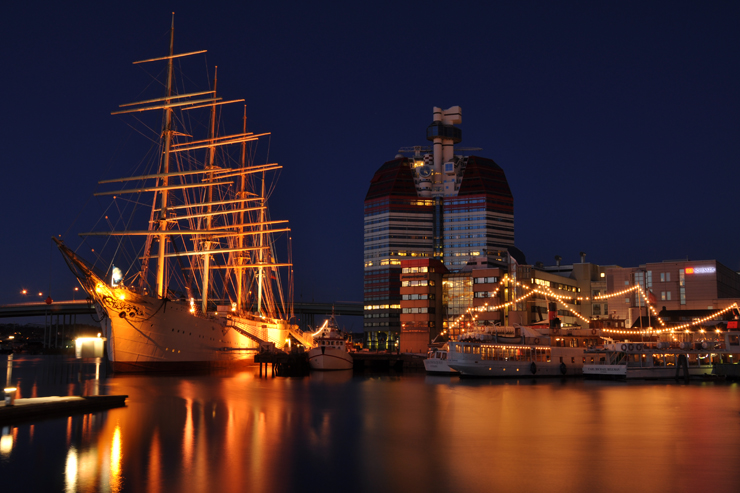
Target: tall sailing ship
x,y
199,286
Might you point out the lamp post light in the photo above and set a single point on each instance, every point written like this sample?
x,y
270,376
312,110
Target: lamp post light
x,y
74,294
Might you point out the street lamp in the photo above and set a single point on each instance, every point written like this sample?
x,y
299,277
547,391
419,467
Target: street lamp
x,y
75,293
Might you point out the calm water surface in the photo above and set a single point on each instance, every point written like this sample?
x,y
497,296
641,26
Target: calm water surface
x,y
338,432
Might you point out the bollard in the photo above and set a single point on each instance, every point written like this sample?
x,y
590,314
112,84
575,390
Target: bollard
x,y
10,396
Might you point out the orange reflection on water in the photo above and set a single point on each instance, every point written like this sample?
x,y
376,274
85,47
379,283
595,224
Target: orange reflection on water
x,y
154,479
7,439
234,432
70,471
187,436
115,460
69,430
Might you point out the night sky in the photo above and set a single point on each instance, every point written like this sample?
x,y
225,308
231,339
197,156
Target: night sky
x,y
616,123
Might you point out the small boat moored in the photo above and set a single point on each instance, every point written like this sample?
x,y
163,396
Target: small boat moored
x,y
331,351
436,362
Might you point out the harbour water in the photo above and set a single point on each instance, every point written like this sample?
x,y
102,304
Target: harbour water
x,y
336,431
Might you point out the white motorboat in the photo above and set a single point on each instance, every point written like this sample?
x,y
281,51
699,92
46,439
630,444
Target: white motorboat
x,y
331,351
436,362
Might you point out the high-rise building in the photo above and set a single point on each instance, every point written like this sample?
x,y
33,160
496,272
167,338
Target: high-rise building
x,y
434,202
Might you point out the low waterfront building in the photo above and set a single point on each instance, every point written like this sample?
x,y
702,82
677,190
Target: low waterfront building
x,y
680,290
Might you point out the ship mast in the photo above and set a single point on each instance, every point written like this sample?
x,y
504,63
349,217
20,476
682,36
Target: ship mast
x,y
207,240
260,274
242,189
167,134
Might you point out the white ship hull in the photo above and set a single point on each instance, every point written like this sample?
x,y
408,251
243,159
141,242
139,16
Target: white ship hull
x,y
516,369
146,334
330,358
487,359
623,371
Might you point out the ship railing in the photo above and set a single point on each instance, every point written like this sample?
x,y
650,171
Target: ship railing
x,y
305,338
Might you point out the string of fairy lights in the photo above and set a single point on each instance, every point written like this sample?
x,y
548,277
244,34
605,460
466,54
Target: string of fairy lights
x,y
472,312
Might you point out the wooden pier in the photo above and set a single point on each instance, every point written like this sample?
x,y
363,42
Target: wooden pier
x,y
38,408
293,364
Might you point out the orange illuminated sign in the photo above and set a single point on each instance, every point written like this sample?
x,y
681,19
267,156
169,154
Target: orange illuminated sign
x,y
689,270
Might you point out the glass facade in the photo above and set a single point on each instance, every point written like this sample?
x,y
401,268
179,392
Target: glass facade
x,y
457,297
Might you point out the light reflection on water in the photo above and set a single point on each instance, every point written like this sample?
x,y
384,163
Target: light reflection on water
x,y
337,432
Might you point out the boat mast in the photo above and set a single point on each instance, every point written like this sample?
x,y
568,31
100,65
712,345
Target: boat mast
x,y
167,134
207,240
242,188
260,272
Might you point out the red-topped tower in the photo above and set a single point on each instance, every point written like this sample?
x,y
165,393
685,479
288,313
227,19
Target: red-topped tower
x,y
437,203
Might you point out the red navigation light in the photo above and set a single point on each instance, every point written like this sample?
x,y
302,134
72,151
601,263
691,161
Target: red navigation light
x,y
689,270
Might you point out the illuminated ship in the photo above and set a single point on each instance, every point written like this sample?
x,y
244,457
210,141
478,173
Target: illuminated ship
x,y
198,285
331,352
696,355
521,352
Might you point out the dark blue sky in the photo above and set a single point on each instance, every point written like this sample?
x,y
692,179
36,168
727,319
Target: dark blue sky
x,y
616,122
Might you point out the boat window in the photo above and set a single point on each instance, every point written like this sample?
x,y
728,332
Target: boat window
x,y
734,340
444,355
